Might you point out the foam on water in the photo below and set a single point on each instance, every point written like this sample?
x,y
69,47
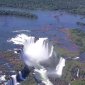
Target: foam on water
x,y
20,39
43,73
19,31
76,58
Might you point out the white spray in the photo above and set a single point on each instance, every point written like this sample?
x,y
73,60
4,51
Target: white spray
x,y
35,52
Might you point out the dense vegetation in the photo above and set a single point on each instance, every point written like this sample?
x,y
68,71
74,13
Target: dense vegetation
x,y
75,6
69,72
72,66
78,82
78,37
18,13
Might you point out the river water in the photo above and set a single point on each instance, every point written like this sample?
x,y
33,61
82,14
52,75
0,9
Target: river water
x,y
48,24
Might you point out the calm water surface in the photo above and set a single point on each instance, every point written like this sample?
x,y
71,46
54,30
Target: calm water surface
x,y
48,24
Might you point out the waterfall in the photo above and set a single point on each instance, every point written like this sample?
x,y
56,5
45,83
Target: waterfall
x,y
36,51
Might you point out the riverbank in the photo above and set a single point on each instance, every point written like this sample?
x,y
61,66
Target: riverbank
x,y
17,12
73,6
